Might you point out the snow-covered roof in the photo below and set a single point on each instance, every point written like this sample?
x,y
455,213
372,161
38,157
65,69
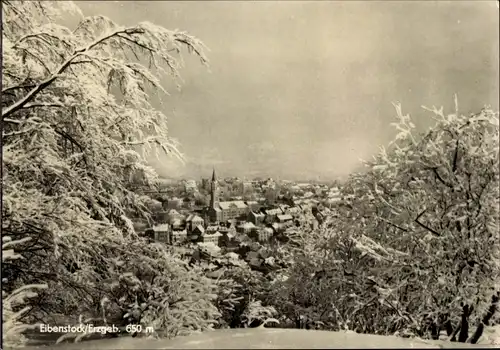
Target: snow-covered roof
x,y
209,247
229,204
285,217
212,234
247,225
334,200
193,217
162,227
225,205
199,228
273,211
176,222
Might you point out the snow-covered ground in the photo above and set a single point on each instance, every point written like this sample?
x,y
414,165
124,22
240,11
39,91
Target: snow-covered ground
x,y
270,338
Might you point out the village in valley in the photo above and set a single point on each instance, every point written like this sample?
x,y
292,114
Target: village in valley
x,y
215,169
236,215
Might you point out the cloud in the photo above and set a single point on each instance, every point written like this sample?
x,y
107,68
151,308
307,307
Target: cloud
x,y
262,147
313,93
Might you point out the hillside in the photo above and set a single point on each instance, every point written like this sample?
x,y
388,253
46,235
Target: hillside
x,y
269,338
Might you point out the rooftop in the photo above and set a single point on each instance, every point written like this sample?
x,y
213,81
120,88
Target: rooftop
x,y
285,217
247,225
162,227
200,229
194,217
234,204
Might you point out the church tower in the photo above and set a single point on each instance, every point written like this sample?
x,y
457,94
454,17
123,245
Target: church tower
x,y
213,211
214,195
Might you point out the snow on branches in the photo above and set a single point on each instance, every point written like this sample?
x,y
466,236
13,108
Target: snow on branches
x,y
414,246
77,121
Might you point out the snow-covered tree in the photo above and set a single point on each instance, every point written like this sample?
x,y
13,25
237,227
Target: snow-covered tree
x,y
438,198
14,303
77,123
416,249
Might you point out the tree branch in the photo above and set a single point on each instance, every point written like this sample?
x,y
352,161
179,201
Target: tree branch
x,y
6,112
41,104
7,89
455,157
38,59
435,171
393,224
425,226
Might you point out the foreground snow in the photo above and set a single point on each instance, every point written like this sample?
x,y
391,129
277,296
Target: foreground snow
x,y
270,338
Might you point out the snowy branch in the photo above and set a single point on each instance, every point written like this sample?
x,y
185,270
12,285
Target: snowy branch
x,y
6,112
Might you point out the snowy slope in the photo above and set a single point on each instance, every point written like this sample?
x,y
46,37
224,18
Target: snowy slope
x,y
270,338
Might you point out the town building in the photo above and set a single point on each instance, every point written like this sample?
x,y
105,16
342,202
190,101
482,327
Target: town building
x,y
161,233
273,212
193,221
271,215
224,211
233,210
214,211
173,214
284,218
256,218
179,237
166,234
294,211
246,227
253,205
211,237
196,233
263,234
178,224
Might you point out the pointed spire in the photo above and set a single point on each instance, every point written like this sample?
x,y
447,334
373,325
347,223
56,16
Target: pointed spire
x,y
214,177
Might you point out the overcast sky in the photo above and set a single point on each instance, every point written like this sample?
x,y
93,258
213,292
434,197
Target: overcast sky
x,y
304,89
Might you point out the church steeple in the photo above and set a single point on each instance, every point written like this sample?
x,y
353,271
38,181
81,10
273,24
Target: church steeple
x,y
214,177
213,193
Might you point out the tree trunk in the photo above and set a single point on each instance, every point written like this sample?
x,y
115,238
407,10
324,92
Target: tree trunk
x,y
486,319
434,331
454,334
464,326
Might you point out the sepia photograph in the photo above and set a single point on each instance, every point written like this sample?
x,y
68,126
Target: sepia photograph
x,y
250,174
